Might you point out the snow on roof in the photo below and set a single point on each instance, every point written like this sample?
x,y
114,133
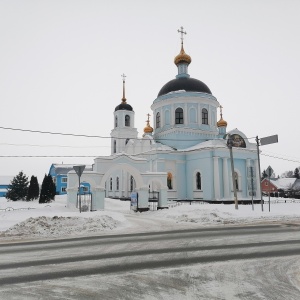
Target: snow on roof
x,y
68,166
220,143
62,169
296,185
283,183
5,180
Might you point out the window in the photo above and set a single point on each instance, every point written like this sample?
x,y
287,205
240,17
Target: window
x,y
117,183
158,120
266,183
204,116
169,181
127,120
236,180
64,179
198,181
63,189
110,184
115,146
179,116
131,183
127,140
116,121
85,189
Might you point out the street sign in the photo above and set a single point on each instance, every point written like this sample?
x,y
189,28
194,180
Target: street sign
x,y
269,171
269,140
79,169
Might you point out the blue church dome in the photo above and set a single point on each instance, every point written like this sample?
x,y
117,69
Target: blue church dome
x,y
184,83
123,106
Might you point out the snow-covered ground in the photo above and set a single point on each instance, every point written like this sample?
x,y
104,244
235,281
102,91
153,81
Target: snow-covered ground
x,y
27,220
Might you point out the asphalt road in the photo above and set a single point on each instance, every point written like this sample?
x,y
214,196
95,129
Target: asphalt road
x,y
253,262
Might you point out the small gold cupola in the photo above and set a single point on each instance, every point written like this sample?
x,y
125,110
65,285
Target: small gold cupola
x,y
148,129
182,60
221,122
182,57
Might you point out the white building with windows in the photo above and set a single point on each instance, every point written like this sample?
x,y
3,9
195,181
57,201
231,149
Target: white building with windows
x,y
185,156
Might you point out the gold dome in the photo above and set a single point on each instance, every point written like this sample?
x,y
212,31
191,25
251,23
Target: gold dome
x,y
148,128
222,123
182,57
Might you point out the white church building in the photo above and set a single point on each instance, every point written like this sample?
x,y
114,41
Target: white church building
x,y
185,155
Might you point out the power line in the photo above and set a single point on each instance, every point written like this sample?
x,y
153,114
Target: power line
x,y
62,146
54,133
98,136
282,158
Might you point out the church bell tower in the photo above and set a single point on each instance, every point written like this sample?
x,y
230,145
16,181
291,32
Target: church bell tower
x,y
123,124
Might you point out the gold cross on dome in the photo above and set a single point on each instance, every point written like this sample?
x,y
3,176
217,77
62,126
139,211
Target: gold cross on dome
x,y
123,77
148,115
221,111
181,33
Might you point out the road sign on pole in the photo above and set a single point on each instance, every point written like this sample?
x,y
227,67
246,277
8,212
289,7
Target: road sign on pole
x,y
269,140
264,141
79,170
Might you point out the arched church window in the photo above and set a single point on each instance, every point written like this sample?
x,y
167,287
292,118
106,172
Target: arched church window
x,y
204,116
131,183
116,121
158,120
169,181
110,184
236,180
115,146
127,120
117,183
127,140
179,115
198,181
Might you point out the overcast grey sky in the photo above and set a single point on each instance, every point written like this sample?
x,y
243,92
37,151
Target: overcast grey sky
x,y
61,64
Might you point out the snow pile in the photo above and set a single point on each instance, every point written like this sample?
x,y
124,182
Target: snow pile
x,y
23,219
215,214
60,226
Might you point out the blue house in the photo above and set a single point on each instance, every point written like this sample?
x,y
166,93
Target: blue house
x,y
4,183
59,173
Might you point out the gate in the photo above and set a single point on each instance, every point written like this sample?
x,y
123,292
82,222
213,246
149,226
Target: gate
x,y
84,202
153,198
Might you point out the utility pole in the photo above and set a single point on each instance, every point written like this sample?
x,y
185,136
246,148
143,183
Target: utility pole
x,y
258,159
230,145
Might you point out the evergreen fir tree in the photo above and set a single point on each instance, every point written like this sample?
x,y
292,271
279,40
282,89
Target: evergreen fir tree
x,y
47,190
18,187
296,173
52,187
34,189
